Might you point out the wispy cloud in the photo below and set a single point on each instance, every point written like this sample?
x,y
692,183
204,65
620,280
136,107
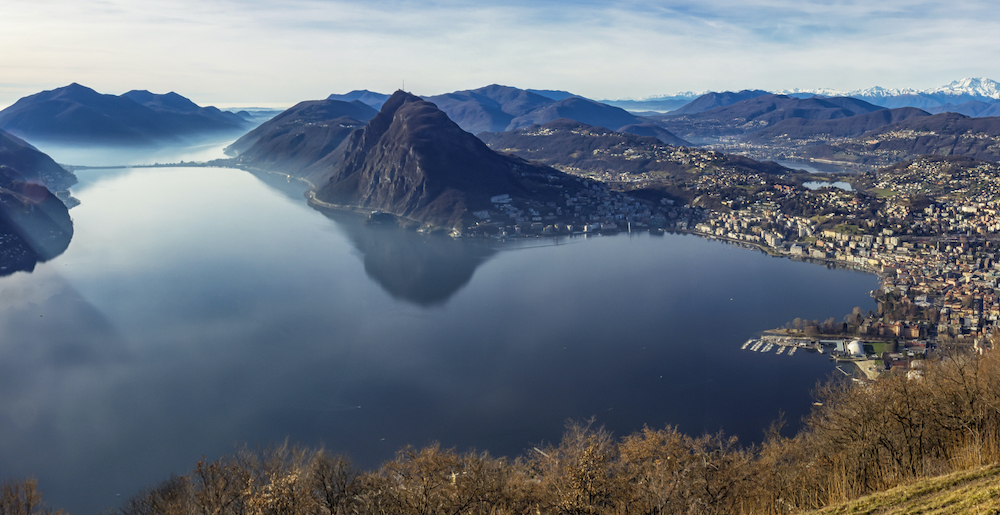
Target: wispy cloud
x,y
220,51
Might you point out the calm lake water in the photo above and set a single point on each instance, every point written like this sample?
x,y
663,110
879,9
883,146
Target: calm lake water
x,y
814,166
201,308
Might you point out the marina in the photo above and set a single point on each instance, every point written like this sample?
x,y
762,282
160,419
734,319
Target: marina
x,y
766,344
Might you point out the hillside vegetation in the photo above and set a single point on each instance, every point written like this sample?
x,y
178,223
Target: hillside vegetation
x,y
975,491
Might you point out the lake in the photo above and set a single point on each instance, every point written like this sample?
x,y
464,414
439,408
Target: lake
x,y
815,166
197,309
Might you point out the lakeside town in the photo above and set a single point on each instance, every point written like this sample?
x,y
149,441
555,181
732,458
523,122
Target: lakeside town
x,y
928,228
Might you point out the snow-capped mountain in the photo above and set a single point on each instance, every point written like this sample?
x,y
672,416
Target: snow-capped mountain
x,y
972,87
976,88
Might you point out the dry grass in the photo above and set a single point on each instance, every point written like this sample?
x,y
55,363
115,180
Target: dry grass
x,y
974,491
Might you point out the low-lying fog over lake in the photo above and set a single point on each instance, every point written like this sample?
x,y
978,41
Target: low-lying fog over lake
x,y
197,309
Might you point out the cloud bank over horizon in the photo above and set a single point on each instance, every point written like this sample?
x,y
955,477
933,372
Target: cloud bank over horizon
x,y
253,52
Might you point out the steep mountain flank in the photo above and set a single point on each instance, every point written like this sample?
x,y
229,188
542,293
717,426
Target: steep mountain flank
x,y
300,137
26,163
412,161
34,224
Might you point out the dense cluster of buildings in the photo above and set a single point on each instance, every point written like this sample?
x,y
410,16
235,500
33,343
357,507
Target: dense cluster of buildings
x,y
935,243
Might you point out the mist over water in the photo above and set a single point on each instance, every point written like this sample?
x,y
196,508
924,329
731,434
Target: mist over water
x,y
201,308
197,149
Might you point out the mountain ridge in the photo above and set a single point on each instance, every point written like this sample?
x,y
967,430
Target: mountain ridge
x,y
301,136
411,160
79,115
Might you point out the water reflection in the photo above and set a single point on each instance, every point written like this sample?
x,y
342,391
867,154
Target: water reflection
x,y
293,189
409,266
198,309
815,166
815,185
424,270
34,227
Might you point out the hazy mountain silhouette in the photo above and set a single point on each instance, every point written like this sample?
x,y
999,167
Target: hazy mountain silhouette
x,y
176,104
713,100
77,114
369,98
497,108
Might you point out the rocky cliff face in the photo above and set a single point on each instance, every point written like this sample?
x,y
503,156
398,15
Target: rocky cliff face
x,y
413,161
34,224
28,164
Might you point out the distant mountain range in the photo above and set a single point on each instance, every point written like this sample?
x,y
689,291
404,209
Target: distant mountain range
x,y
571,145
498,108
962,90
372,99
971,97
756,113
76,114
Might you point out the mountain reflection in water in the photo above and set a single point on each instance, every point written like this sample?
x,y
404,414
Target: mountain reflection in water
x,y
198,309
424,270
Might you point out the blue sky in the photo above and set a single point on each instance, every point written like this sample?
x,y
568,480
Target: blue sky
x,y
256,52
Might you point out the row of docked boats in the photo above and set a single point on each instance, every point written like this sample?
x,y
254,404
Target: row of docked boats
x,y
759,345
